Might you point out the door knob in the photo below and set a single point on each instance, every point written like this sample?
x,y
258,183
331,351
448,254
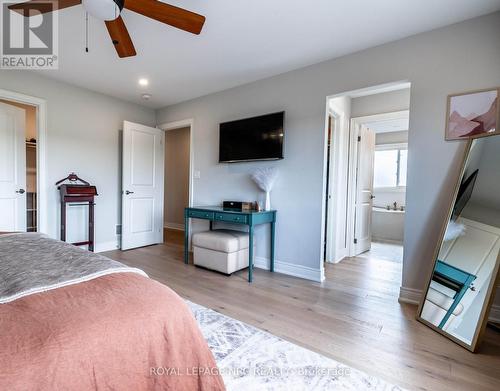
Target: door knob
x,y
372,197
128,192
21,191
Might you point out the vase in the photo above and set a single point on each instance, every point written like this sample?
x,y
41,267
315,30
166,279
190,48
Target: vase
x,y
268,201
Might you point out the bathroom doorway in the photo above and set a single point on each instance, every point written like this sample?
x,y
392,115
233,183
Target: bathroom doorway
x,y
366,159
379,182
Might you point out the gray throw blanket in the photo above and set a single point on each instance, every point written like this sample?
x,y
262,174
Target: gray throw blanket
x,y
32,263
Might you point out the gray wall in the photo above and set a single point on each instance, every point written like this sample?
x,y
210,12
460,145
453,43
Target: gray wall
x,y
176,176
386,102
82,136
457,58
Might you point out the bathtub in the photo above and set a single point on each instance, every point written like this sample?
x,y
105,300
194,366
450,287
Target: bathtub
x,y
387,225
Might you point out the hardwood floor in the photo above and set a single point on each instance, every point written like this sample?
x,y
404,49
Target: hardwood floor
x,y
353,317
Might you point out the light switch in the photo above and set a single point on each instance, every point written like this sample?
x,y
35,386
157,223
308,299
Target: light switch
x,y
197,174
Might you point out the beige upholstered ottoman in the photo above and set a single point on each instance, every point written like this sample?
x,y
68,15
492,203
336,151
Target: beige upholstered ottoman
x,y
223,250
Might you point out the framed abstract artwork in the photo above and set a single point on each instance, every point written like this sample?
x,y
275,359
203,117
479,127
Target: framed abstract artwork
x,y
473,113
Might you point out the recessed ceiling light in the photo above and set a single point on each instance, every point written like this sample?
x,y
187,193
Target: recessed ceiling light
x,y
146,96
143,82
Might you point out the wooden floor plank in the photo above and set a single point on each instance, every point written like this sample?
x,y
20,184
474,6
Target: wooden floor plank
x,y
353,316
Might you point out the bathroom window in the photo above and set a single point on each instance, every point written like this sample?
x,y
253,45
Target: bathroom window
x,y
390,166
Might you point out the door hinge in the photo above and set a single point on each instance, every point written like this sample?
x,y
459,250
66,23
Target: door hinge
x,y
355,241
359,138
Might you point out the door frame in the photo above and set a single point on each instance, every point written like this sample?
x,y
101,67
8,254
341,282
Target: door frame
x,y
371,90
41,145
185,123
356,124
334,225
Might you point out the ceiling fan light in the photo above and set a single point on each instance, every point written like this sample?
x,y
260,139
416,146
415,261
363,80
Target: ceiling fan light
x,y
104,9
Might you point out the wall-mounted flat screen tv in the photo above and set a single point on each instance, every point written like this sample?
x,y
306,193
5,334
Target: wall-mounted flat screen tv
x,y
257,138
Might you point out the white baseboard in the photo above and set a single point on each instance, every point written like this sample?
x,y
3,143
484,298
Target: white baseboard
x,y
388,241
305,272
106,246
340,255
177,226
409,295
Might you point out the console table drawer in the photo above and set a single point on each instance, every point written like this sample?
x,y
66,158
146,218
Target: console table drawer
x,y
198,214
231,218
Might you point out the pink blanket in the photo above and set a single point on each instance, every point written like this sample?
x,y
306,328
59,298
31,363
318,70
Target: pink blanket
x,y
118,332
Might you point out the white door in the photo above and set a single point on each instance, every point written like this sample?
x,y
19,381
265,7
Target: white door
x,y
364,190
142,186
12,169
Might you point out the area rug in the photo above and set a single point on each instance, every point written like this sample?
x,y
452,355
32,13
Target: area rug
x,y
252,359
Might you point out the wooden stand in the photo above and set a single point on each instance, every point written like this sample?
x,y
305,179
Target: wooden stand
x,y
75,194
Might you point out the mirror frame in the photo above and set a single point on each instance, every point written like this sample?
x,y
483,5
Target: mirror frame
x,y
478,334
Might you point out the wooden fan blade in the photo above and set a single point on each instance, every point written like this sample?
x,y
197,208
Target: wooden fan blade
x,y
169,14
42,6
120,37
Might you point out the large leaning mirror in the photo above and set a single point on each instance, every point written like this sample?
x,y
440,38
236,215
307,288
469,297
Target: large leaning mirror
x,y
463,281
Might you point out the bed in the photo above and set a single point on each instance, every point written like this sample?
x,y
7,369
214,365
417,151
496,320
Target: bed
x,y
74,320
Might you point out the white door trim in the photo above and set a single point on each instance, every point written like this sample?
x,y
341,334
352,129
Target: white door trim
x,y
323,194
41,128
336,211
330,209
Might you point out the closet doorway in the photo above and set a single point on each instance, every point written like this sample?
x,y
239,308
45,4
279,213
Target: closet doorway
x,y
18,167
177,191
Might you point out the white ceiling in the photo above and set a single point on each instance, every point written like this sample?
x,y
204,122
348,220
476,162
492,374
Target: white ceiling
x,y
242,41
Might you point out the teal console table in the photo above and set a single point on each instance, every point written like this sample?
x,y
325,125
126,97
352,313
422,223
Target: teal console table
x,y
250,218
454,278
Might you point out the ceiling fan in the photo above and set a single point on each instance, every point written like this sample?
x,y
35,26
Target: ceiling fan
x,y
109,11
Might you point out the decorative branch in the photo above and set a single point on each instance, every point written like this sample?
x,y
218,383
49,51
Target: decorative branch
x,y
265,178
